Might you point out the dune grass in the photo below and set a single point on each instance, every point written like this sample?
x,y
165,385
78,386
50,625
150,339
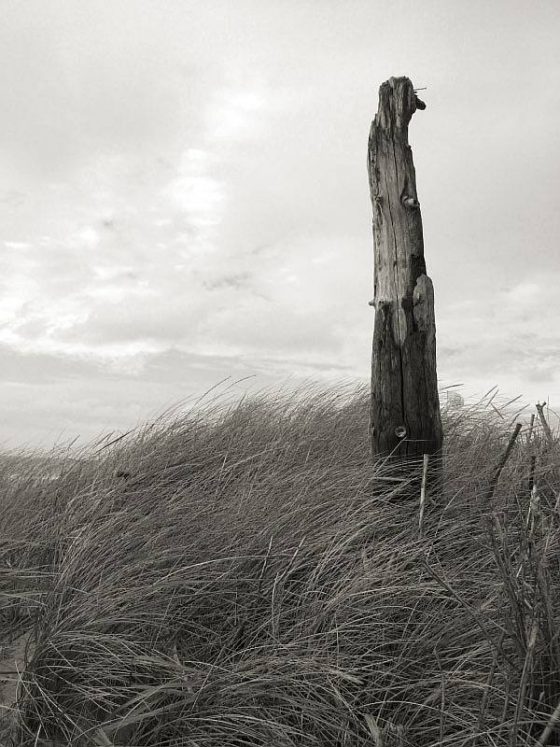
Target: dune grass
x,y
243,575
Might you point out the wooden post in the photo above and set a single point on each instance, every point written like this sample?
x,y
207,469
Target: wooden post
x,y
405,413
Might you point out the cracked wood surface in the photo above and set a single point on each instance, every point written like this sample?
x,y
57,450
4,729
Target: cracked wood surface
x,y
404,392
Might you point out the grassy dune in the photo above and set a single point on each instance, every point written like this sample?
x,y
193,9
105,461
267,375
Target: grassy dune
x,y
243,575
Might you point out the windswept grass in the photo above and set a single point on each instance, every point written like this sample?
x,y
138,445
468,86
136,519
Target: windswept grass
x,y
244,575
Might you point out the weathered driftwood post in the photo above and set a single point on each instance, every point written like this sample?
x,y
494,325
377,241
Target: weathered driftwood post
x,y
405,414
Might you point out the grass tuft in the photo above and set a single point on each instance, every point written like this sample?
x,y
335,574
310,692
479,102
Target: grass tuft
x,y
244,575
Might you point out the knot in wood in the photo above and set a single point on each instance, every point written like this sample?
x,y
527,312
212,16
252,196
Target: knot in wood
x,y
410,202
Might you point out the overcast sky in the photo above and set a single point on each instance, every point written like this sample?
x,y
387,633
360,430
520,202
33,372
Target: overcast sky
x,y
184,197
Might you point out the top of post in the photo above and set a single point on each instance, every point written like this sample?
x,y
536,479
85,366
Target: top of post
x,y
397,103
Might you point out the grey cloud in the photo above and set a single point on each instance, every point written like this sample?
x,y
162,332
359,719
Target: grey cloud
x,y
47,400
239,281
94,83
33,368
546,374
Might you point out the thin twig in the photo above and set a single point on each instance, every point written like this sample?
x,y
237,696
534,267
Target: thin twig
x,y
489,683
545,425
423,491
532,473
533,495
531,426
501,464
524,678
549,728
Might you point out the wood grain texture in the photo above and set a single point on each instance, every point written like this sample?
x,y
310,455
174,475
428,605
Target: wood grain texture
x,y
404,393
